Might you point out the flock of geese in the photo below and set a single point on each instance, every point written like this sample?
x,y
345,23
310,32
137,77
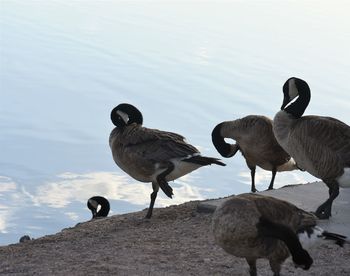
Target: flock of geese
x,y
250,226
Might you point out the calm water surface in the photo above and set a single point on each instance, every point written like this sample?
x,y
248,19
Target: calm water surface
x,y
187,65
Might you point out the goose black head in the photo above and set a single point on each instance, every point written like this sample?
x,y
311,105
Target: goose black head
x,y
292,88
125,114
24,238
93,204
225,149
302,259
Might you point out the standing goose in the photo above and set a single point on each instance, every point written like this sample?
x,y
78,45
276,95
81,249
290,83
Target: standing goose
x,y
253,226
93,204
319,145
151,155
255,139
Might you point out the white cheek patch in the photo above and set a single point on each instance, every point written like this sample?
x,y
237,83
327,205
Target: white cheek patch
x,y
344,179
293,90
123,115
308,241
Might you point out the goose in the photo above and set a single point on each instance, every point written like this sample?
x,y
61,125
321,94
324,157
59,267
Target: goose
x,y
93,204
254,226
24,238
319,145
255,139
151,155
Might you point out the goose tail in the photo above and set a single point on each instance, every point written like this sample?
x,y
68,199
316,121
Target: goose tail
x,y
309,236
338,238
204,161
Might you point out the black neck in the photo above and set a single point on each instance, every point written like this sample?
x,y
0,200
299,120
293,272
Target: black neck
x,y
297,108
219,142
267,228
103,212
279,231
136,117
104,207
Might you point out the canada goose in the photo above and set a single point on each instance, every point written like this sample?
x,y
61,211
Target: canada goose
x,y
24,238
255,139
254,226
319,145
151,155
93,204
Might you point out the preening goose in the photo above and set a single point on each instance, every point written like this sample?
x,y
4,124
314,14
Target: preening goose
x,y
255,139
254,226
93,204
151,155
319,145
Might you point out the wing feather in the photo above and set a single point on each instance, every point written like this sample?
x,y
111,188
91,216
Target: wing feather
x,y
156,145
321,145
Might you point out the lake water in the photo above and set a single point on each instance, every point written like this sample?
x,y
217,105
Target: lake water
x,y
187,65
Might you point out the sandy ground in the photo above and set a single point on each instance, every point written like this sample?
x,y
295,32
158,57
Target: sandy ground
x,y
176,241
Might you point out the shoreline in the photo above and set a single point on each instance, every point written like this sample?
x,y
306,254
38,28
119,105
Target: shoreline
x,y
176,240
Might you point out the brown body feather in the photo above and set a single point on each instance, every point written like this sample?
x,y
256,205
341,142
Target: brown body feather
x,y
255,139
137,149
235,228
320,145
151,155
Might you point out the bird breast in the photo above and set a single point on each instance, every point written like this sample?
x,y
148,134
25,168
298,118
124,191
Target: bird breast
x,y
282,123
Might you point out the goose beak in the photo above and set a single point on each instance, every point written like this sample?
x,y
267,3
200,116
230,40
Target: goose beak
x,y
94,214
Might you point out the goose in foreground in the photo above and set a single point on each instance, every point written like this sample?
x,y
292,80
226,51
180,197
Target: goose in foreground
x,y
93,204
151,155
254,226
255,139
319,145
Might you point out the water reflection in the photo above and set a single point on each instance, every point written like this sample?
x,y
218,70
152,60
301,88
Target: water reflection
x,y
64,66
35,213
71,187
7,195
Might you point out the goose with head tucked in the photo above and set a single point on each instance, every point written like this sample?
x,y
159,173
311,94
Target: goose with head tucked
x,y
320,145
151,155
98,201
255,139
254,226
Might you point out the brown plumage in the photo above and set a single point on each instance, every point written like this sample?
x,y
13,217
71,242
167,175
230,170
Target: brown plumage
x,y
253,226
151,155
319,145
255,139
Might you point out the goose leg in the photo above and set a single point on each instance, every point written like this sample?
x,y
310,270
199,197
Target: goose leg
x,y
272,179
163,184
275,267
252,267
252,174
155,187
324,211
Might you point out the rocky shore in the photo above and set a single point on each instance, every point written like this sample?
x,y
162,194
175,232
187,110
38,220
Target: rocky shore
x,y
176,241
